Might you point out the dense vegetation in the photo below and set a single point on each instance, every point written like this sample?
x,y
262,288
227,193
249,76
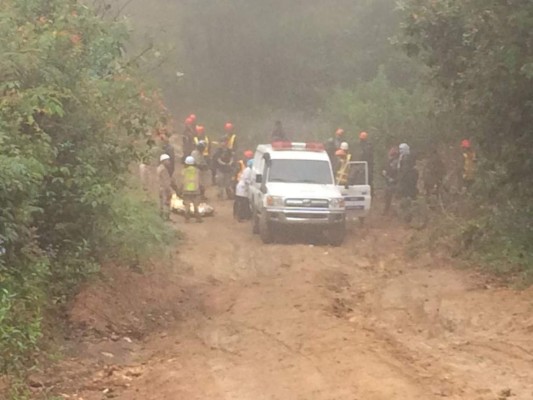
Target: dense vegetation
x,y
72,119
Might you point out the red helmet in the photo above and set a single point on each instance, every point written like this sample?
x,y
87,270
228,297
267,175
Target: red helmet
x,y
228,127
200,129
363,136
339,132
249,154
465,144
189,121
193,118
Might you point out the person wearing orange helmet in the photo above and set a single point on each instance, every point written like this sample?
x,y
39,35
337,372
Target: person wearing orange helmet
x,y
230,138
367,154
469,163
242,163
202,137
188,144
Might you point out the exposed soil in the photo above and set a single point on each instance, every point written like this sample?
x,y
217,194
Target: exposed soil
x,y
231,318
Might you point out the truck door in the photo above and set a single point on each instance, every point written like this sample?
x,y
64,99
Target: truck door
x,y
356,191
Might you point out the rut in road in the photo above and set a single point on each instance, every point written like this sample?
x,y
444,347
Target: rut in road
x,y
300,321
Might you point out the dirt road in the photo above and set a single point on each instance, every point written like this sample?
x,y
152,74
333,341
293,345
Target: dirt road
x,y
294,321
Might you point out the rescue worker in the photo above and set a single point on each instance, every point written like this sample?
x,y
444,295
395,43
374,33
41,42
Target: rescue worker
x,y
189,133
407,174
241,164
168,149
469,164
339,138
367,154
201,163
166,185
202,137
343,160
225,167
241,207
278,134
390,173
230,138
189,189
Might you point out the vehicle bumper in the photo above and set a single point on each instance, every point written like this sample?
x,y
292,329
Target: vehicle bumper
x,y
306,217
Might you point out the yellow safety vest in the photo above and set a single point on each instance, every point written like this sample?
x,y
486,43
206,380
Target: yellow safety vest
x,y
206,140
191,180
231,142
342,174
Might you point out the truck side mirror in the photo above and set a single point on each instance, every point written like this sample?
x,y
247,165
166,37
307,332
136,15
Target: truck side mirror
x,y
259,178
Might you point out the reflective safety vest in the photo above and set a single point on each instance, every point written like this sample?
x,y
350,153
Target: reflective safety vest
x,y
206,140
469,166
342,173
191,180
230,144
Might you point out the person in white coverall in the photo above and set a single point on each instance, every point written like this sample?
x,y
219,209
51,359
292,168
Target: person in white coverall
x,y
241,207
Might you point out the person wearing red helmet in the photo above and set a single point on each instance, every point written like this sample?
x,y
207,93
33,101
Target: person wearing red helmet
x,y
202,137
230,138
188,144
469,163
241,164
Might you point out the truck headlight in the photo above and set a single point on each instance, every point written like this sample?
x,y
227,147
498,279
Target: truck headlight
x,y
274,201
337,203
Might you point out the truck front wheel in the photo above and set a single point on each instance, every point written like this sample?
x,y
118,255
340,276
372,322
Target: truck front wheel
x,y
265,229
255,221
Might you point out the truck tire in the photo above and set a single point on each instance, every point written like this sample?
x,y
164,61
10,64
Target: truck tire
x,y
265,229
255,221
336,235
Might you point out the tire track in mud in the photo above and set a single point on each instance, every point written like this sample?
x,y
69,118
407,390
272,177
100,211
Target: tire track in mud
x,y
300,321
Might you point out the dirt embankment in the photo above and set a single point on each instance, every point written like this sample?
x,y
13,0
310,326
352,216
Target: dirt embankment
x,y
230,318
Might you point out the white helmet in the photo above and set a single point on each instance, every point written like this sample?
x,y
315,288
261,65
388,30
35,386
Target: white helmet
x,y
164,157
344,146
189,160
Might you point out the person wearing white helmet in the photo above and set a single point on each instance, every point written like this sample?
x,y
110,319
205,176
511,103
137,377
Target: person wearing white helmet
x,y
166,185
407,173
189,189
241,206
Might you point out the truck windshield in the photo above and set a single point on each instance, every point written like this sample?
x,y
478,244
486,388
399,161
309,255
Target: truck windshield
x,y
300,171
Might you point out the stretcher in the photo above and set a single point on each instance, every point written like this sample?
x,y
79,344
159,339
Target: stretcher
x,y
177,206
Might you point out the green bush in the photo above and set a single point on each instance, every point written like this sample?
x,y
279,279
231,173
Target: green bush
x,y
74,115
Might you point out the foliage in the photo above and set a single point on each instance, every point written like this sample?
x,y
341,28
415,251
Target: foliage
x,y
481,57
73,116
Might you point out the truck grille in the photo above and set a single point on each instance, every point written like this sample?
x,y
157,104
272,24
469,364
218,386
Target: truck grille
x,y
307,203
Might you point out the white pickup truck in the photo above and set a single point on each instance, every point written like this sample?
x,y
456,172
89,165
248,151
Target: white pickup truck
x,y
294,185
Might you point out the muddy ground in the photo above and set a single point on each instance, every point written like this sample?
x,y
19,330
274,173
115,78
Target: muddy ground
x,y
226,317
